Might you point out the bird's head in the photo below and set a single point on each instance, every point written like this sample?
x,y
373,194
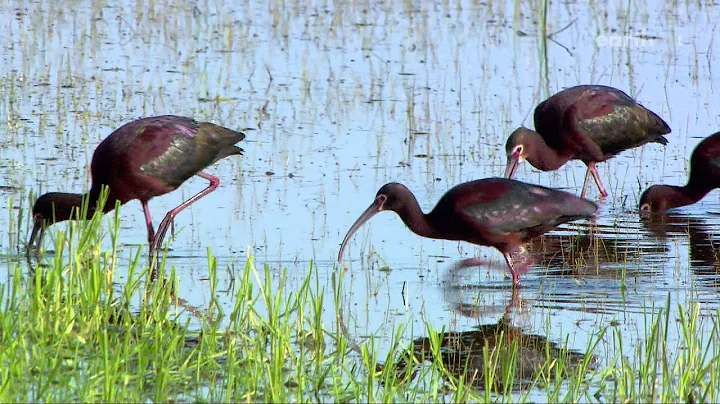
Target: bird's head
x,y
51,208
657,199
55,207
389,197
517,148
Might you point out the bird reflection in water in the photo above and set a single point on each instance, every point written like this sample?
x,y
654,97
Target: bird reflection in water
x,y
599,251
586,251
704,252
455,291
498,356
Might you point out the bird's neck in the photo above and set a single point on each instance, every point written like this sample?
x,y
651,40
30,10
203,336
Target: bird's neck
x,y
94,196
698,186
414,218
544,157
66,206
677,196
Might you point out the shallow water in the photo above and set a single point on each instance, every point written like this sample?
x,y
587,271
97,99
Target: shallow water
x,y
346,99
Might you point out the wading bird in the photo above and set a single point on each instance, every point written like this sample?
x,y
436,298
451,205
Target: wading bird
x,y
704,177
590,123
140,160
494,212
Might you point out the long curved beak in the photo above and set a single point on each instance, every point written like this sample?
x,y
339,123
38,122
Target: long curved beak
x,y
33,246
375,208
512,165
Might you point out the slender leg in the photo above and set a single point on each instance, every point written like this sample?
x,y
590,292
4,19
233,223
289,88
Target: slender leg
x,y
595,175
148,222
33,247
151,233
168,220
513,272
591,170
39,245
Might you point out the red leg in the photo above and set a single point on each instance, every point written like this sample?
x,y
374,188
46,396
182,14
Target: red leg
x,y
168,220
595,175
148,222
591,170
151,234
513,272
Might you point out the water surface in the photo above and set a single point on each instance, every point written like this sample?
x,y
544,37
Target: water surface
x,y
347,98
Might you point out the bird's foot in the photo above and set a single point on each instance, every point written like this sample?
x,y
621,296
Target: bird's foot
x,y
516,280
519,263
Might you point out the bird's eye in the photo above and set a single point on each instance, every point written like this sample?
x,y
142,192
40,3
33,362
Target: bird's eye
x,y
381,199
518,149
645,207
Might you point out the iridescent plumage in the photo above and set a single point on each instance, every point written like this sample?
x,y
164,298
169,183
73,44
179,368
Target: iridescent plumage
x,y
140,160
589,123
494,212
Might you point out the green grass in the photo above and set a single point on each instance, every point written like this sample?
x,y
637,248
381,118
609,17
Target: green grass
x,y
70,332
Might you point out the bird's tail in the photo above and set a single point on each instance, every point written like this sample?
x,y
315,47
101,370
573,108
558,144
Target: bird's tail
x,y
222,139
656,125
222,136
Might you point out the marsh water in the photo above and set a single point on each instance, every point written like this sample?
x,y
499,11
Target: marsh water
x,y
345,98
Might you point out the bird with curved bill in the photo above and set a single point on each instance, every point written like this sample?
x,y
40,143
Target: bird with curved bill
x,y
142,159
590,123
493,212
704,177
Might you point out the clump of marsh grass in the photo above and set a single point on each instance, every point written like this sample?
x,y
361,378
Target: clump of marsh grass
x,y
71,332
